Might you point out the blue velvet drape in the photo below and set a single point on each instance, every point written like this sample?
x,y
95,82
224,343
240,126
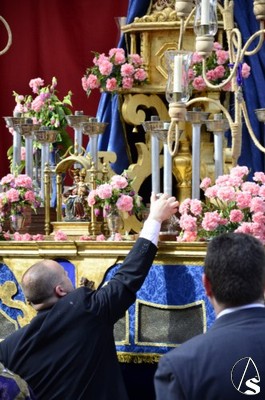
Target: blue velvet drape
x,y
253,88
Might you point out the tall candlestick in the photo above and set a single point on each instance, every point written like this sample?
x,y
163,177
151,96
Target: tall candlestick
x,y
29,156
218,153
45,152
167,171
205,12
16,150
155,164
196,162
177,74
93,144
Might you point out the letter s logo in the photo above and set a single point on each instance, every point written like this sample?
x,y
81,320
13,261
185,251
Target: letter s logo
x,y
251,383
245,377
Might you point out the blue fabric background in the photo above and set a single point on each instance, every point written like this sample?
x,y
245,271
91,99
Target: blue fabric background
x,y
166,285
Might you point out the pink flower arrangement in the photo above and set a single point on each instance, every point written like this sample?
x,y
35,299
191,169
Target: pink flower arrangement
x,y
114,71
217,69
18,192
116,194
45,108
232,204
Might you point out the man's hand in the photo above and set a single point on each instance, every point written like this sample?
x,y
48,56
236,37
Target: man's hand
x,y
163,207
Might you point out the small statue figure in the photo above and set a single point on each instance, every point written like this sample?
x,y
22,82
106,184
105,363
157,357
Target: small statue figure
x,y
80,203
76,208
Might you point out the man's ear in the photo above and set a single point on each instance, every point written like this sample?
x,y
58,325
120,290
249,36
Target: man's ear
x,y
60,291
207,286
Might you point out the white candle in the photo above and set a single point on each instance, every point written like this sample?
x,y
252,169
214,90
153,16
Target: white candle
x,y
205,12
196,160
167,171
155,164
177,74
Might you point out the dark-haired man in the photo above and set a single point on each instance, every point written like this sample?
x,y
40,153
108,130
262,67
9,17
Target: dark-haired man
x,y
228,361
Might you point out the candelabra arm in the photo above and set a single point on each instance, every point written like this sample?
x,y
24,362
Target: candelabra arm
x,y
9,40
249,127
181,33
173,137
228,15
188,19
259,34
236,134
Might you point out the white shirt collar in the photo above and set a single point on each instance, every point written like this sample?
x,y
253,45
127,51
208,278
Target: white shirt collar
x,y
232,309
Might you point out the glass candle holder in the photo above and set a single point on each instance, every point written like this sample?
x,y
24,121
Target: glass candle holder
x,y
205,21
178,63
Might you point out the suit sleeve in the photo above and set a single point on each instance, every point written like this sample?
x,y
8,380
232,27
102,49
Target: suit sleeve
x,y
113,299
167,385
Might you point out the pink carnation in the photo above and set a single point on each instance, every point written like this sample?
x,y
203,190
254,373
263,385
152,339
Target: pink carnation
x,y
9,179
187,236
127,70
104,191
211,220
37,104
111,84
60,236
105,67
39,237
188,223
205,183
135,59
100,238
127,82
199,83
245,70
23,180
30,196
236,216
259,177
118,55
91,200
140,74
12,195
125,203
35,84
118,182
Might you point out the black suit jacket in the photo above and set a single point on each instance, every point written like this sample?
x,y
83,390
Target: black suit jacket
x,y
222,364
68,351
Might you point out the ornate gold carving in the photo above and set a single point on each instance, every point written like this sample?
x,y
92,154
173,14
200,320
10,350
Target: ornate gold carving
x,y
159,14
133,107
7,291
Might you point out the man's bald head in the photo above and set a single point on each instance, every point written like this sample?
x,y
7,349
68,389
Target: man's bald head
x,y
45,282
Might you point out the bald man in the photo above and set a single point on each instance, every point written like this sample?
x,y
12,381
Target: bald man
x,y
67,352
